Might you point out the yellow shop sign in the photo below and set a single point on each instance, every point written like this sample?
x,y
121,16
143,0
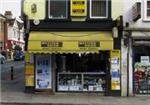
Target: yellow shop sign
x,y
78,7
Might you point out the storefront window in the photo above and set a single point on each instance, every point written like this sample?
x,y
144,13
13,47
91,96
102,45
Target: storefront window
x,y
83,72
58,9
141,69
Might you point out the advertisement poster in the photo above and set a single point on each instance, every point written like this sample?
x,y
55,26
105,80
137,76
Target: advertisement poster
x,y
43,72
115,70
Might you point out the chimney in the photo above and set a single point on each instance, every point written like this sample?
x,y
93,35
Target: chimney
x,y
8,14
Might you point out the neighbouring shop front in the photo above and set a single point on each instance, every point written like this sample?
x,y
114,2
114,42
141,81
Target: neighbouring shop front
x,y
72,62
141,63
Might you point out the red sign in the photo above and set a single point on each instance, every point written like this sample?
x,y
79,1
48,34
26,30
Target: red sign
x,y
136,11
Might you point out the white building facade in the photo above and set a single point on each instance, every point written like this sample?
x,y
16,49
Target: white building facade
x,y
16,34
136,48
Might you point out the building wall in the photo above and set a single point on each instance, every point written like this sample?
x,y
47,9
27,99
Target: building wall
x,y
117,8
127,14
14,33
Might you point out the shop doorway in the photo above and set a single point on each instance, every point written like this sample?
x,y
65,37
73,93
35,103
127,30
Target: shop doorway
x,y
141,76
82,72
43,78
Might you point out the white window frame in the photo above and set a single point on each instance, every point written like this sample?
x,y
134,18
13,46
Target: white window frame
x,y
146,18
50,17
98,17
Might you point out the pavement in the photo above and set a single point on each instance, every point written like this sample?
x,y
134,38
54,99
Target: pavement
x,y
12,93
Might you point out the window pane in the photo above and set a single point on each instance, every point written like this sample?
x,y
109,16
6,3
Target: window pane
x,y
148,8
58,8
99,8
148,4
148,12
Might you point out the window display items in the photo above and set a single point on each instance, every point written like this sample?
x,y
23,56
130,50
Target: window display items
x,y
81,82
94,82
69,82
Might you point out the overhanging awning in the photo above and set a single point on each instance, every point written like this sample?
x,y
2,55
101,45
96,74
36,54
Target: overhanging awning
x,y
69,42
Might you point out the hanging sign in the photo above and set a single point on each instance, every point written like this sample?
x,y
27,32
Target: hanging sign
x,y
43,72
115,70
136,11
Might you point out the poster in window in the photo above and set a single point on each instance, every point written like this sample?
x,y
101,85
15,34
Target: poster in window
x,y
141,78
43,72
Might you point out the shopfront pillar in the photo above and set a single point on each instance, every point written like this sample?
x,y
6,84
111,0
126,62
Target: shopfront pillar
x,y
130,68
123,68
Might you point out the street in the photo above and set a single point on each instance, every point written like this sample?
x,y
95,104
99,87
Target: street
x,y
18,76
17,69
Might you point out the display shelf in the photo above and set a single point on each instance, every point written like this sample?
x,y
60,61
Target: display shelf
x,y
81,81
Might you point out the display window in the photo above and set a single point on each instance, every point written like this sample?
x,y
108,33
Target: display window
x,y
141,70
82,72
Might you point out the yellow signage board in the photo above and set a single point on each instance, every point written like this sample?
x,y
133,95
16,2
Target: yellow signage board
x,y
29,69
78,7
69,42
115,69
29,75
29,80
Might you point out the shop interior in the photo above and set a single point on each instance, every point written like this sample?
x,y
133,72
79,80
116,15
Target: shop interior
x,y
140,51
82,72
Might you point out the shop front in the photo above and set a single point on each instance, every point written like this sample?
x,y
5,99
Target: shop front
x,y
72,62
141,63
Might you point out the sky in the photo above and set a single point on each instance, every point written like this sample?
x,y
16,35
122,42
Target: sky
x,y
11,5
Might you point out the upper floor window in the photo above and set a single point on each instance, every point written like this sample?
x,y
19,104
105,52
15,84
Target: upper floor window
x,y
14,36
58,9
98,8
147,10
